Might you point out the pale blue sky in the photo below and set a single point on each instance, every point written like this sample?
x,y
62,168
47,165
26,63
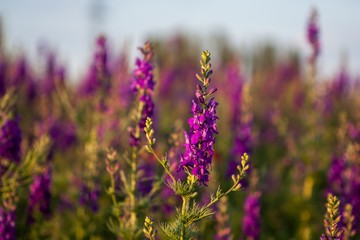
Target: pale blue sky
x,y
66,25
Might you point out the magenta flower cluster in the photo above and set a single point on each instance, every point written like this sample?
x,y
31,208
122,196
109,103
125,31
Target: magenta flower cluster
x,y
199,142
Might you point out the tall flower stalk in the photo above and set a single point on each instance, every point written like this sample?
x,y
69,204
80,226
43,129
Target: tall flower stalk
x,y
196,161
127,212
142,85
199,141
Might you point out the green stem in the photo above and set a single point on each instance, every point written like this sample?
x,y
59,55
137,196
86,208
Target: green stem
x,y
113,197
133,170
132,198
163,164
184,208
223,194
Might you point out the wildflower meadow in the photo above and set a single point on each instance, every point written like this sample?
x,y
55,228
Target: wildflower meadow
x,y
181,143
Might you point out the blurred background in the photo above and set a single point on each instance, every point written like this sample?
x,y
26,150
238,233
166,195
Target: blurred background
x,y
288,90
70,27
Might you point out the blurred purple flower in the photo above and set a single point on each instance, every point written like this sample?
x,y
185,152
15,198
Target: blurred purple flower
x,y
89,196
7,224
242,142
143,75
335,175
48,83
144,186
40,195
166,81
143,83
168,201
313,33
121,81
251,220
353,132
21,70
61,132
10,140
133,140
98,76
344,181
101,55
337,91
235,87
21,78
353,193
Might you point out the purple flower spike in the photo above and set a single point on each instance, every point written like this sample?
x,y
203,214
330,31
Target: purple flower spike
x,y
313,33
98,74
143,84
199,141
251,220
7,224
143,76
10,140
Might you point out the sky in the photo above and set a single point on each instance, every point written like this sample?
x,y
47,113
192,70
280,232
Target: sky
x,y
70,26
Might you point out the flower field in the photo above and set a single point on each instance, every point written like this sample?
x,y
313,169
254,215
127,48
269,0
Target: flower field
x,y
180,144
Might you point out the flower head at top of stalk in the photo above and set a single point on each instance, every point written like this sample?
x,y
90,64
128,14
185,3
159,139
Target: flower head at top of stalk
x,y
143,86
313,33
98,76
143,74
332,219
199,141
